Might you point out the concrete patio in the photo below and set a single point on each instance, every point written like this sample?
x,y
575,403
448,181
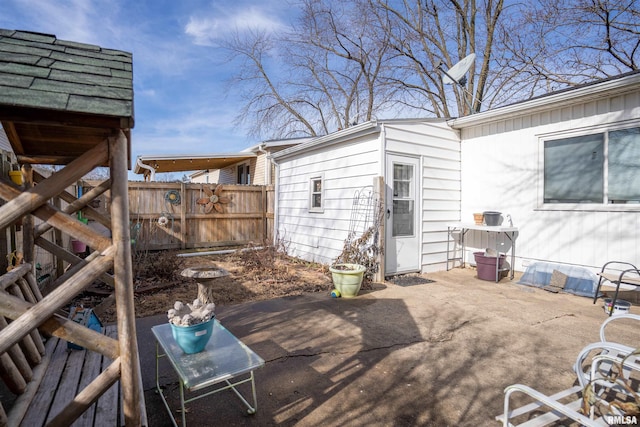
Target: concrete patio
x,y
425,354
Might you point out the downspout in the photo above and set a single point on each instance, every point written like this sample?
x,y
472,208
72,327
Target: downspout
x,y
147,167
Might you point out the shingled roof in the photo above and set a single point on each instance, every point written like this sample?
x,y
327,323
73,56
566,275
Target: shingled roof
x,y
76,94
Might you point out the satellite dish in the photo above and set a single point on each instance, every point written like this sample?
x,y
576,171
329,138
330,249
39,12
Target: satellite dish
x,y
456,74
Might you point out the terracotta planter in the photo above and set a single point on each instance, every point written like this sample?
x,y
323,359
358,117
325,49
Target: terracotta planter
x,y
347,278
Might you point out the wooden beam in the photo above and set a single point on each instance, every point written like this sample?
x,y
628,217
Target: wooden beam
x,y
14,138
88,396
33,284
75,205
13,307
37,196
10,375
58,219
132,397
18,356
379,188
28,343
36,116
45,159
23,401
28,245
70,258
12,276
40,312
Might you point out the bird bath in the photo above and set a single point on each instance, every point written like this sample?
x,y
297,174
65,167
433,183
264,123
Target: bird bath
x,y
206,277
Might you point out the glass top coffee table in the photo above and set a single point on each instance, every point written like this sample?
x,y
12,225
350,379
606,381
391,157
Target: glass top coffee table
x,y
226,361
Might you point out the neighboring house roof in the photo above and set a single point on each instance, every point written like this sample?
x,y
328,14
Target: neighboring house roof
x,y
188,162
61,97
276,143
203,162
593,90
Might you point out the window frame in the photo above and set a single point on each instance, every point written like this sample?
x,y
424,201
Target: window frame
x,y
603,206
312,180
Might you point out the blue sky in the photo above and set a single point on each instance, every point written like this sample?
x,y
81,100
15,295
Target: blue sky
x,y
183,104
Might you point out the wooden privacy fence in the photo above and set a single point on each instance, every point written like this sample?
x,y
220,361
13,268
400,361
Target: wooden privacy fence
x,y
166,216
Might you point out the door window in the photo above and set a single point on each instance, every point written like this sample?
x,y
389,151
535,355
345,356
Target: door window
x,y
403,203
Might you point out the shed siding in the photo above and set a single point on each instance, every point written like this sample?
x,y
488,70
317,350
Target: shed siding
x,y
345,169
501,165
351,165
438,147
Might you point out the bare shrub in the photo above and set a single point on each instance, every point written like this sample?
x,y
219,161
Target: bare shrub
x,y
155,265
364,249
266,263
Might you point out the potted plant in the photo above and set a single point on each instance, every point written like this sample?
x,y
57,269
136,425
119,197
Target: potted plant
x,y
192,325
347,279
357,263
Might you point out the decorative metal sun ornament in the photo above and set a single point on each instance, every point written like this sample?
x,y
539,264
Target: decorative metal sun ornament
x,y
214,199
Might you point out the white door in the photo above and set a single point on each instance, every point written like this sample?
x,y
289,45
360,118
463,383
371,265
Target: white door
x,y
402,243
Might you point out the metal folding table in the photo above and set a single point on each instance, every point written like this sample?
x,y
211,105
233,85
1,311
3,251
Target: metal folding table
x,y
462,228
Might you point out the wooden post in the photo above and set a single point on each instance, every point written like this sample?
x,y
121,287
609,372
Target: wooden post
x,y
57,240
379,188
183,216
263,208
130,378
28,246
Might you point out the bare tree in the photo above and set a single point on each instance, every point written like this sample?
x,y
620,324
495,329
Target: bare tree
x,y
432,32
561,43
321,76
347,62
269,102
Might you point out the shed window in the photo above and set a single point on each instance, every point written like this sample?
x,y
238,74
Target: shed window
x,y
315,195
601,168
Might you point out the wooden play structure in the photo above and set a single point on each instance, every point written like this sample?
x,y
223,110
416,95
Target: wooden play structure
x,y
71,105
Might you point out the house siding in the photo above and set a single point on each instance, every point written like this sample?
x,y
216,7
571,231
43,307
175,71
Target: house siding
x,y
258,169
4,141
501,170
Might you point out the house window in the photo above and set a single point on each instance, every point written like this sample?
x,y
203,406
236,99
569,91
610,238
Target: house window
x,y
244,174
602,168
315,194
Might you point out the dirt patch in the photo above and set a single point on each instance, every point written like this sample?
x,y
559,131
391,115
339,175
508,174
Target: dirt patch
x,y
253,275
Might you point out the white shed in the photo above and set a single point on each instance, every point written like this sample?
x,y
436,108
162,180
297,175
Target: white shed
x,y
419,160
566,167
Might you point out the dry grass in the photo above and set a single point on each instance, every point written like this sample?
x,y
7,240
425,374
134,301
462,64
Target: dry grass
x,y
255,274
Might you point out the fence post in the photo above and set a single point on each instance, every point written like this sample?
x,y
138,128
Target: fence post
x,y
183,216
